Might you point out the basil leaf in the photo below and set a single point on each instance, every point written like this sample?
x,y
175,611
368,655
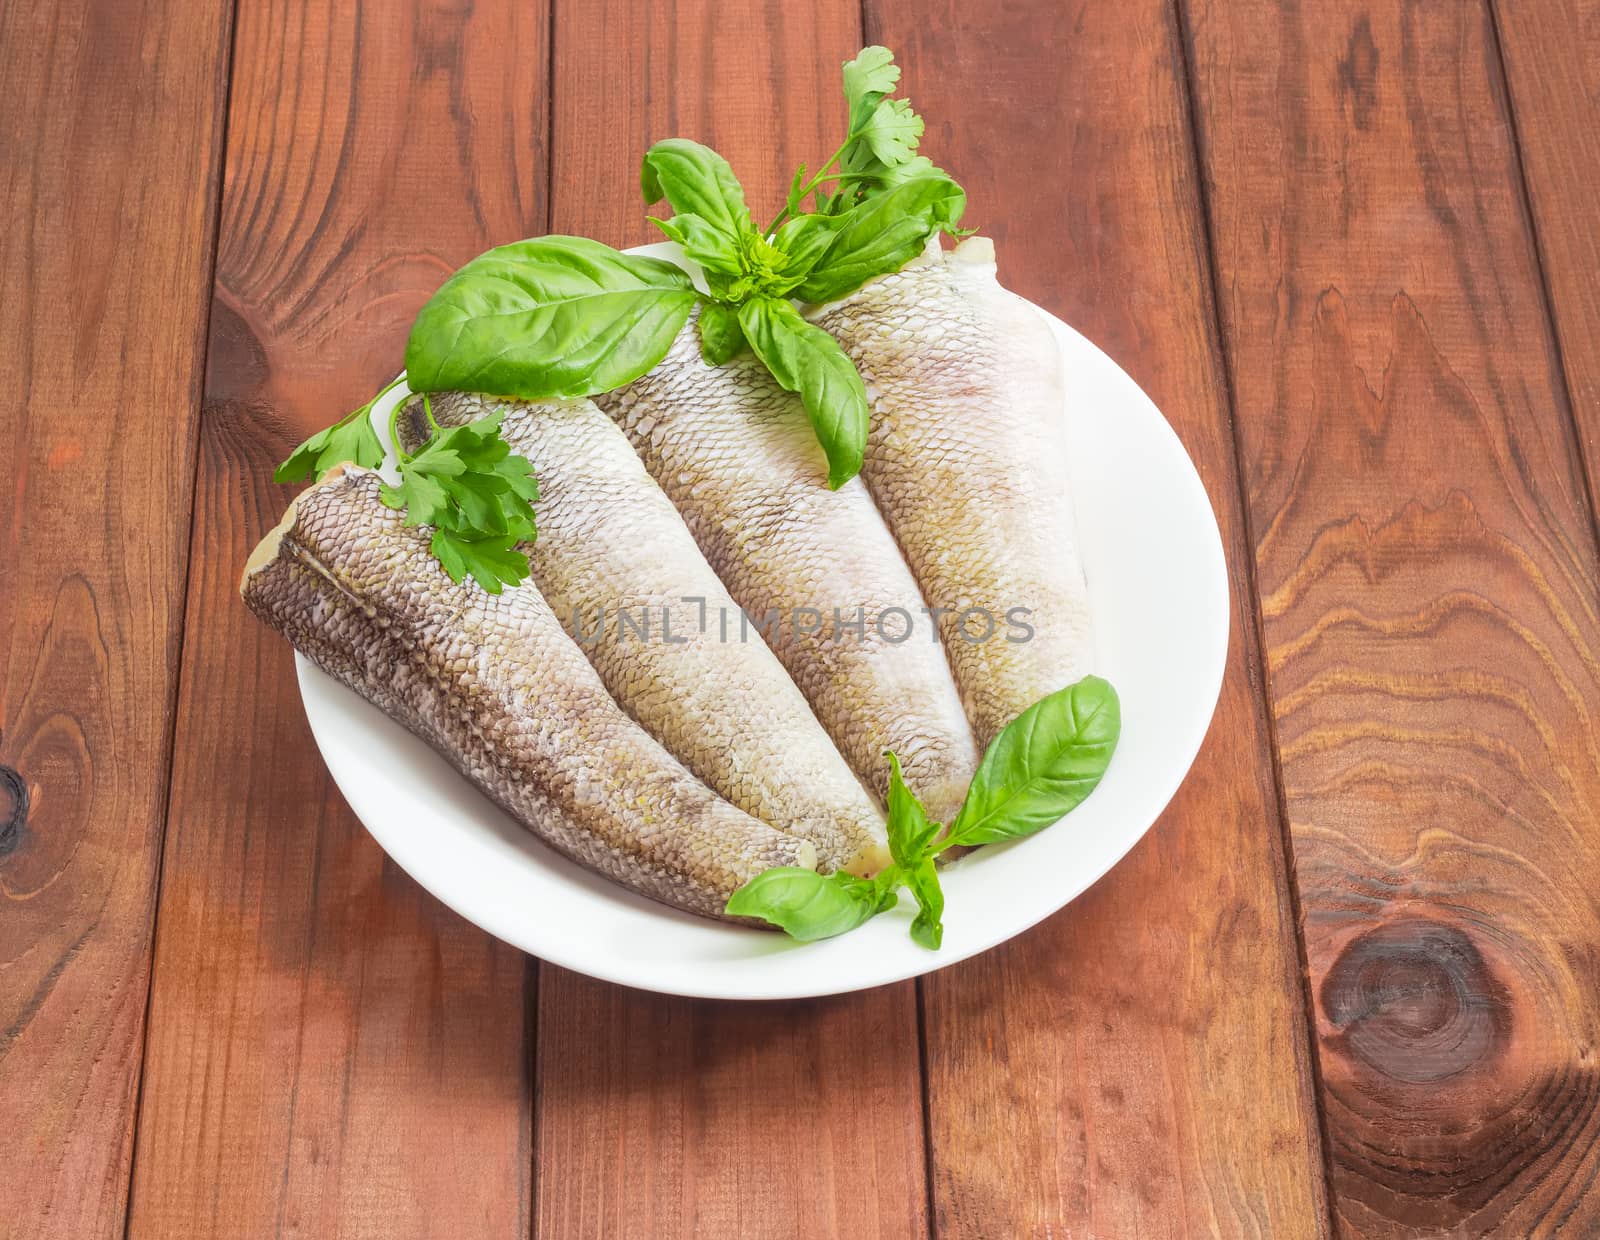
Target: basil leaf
x,y
554,317
696,181
1042,764
883,234
706,244
807,905
721,337
804,238
910,832
805,359
927,928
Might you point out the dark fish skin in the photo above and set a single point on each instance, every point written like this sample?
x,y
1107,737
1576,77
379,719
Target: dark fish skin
x,y
967,459
738,458
609,541
497,686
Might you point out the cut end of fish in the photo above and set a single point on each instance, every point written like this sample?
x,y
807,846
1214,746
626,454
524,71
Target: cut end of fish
x,y
974,250
942,801
870,860
266,551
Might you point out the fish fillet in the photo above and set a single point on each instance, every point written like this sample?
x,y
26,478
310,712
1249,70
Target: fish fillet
x,y
738,458
968,462
495,685
619,569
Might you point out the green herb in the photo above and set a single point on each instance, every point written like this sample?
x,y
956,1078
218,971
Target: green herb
x,y
927,928
748,276
465,482
910,831
1045,761
882,234
808,905
350,439
477,494
721,337
696,181
805,359
880,146
1040,767
551,318
886,202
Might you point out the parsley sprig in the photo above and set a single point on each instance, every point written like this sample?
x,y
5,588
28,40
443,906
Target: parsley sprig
x,y
476,493
464,481
879,149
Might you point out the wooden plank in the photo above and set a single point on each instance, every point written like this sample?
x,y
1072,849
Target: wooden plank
x,y
666,1117
1427,567
330,1051
1551,54
1138,1065
110,142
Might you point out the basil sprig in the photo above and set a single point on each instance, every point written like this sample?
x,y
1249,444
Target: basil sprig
x,y
885,203
1040,767
748,278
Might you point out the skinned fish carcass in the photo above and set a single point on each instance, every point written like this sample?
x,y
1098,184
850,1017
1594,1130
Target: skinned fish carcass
x,y
968,463
737,456
616,564
496,685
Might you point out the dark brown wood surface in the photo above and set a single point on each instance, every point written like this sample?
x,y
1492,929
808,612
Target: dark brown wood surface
x,y
1551,52
330,1051
110,140
1426,568
1349,983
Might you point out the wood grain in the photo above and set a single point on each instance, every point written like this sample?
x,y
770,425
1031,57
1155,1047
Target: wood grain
x,y
110,148
1428,575
664,1117
1139,1064
330,1051
1551,54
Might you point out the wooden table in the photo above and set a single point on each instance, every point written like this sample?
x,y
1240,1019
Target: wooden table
x,y
1351,980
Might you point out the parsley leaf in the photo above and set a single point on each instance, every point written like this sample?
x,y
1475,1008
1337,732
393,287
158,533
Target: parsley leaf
x,y
867,79
494,563
351,439
891,134
478,496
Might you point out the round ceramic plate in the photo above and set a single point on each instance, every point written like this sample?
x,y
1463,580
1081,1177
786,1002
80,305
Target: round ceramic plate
x,y
1158,589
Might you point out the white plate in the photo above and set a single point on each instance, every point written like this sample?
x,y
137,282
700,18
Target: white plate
x,y
1159,592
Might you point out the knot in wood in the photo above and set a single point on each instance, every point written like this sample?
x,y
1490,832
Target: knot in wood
x,y
1415,1001
13,809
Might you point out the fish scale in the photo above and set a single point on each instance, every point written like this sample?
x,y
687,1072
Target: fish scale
x,y
967,459
496,685
610,541
737,456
